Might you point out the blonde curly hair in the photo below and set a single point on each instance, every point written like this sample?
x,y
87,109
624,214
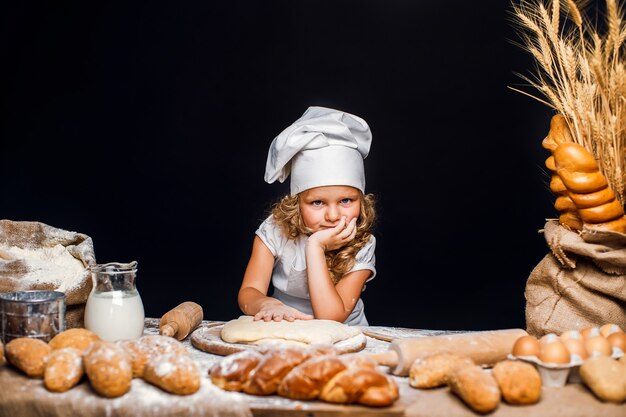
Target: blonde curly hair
x,y
286,214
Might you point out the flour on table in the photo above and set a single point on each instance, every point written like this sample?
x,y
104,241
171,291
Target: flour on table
x,y
50,265
246,330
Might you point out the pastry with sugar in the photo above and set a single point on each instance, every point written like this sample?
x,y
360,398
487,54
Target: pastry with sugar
x,y
64,369
140,351
176,374
108,369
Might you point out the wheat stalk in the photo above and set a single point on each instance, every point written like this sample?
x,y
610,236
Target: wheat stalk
x,y
580,73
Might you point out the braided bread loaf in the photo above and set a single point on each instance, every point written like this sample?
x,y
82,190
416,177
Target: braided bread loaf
x,y
559,133
588,189
306,374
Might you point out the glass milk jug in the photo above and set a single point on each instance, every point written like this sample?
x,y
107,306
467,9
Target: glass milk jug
x,y
114,310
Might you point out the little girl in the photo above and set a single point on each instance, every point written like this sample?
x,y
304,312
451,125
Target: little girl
x,y
316,247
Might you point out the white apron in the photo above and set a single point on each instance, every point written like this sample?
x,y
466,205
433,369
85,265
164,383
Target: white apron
x,y
289,276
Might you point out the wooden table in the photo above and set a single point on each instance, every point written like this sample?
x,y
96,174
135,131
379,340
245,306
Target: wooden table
x,y
24,397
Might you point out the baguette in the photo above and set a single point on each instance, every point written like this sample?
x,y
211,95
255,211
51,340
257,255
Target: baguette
x,y
476,387
433,370
519,382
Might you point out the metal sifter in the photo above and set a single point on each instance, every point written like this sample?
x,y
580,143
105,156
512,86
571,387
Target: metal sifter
x,y
34,314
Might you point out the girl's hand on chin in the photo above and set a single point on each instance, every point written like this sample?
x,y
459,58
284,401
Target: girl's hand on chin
x,y
279,312
337,237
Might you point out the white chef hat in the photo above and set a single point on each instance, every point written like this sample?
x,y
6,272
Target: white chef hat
x,y
323,147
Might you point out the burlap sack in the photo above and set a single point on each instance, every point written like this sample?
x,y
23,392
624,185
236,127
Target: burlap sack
x,y
33,256
580,283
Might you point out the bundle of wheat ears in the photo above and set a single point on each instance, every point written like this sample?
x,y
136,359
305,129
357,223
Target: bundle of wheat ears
x,y
581,73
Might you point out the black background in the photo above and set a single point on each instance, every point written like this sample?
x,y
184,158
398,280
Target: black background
x,y
145,125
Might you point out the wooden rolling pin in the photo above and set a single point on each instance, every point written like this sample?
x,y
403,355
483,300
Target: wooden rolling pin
x,y
484,348
181,320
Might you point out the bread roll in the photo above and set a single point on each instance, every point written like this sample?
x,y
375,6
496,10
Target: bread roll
x,y
605,377
559,134
64,369
266,377
149,346
2,359
433,370
306,381
108,368
306,374
361,386
519,382
136,354
176,374
594,199
28,355
602,213
78,338
231,372
588,188
477,388
582,182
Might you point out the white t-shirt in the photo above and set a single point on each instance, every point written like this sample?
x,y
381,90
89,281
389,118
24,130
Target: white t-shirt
x,y
289,274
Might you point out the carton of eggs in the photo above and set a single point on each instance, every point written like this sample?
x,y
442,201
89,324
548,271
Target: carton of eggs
x,y
558,357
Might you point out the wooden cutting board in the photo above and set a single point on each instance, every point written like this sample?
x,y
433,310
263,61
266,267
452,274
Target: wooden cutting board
x,y
208,339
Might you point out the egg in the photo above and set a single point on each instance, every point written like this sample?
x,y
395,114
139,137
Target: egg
x,y
609,329
526,346
548,338
554,353
576,347
598,346
617,340
588,332
571,334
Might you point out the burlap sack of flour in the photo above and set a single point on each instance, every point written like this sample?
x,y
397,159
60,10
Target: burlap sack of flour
x,y
35,256
580,283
